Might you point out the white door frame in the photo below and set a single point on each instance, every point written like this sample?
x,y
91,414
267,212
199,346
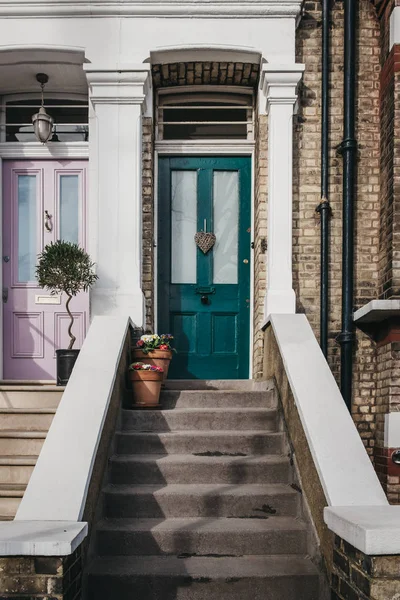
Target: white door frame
x,y
205,148
34,151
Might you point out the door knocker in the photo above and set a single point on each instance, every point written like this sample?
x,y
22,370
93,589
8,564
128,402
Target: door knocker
x,y
47,221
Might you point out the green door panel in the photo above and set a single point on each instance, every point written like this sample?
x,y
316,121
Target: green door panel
x,y
204,299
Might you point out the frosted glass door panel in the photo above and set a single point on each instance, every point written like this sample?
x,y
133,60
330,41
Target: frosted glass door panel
x,y
226,220
183,226
27,222
69,208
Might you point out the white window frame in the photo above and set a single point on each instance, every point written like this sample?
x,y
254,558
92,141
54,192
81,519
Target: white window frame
x,y
235,95
5,99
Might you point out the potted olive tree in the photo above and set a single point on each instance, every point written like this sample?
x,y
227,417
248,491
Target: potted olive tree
x,y
64,267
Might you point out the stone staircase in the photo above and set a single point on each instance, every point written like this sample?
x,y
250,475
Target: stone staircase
x,y
26,412
199,503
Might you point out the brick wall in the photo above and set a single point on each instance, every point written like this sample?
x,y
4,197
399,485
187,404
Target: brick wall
x,y
306,189
357,576
388,353
383,10
205,73
387,400
389,266
148,220
259,237
46,577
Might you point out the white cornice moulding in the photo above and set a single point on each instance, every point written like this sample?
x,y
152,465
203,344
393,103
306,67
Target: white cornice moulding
x,y
121,84
151,8
204,147
205,52
36,53
279,83
51,150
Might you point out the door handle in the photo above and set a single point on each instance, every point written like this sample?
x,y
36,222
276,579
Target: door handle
x,y
204,299
47,221
5,294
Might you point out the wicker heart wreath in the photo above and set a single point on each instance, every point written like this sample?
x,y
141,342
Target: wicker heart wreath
x,y
205,241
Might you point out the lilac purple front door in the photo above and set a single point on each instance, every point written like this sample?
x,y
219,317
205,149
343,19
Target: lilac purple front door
x,y
42,201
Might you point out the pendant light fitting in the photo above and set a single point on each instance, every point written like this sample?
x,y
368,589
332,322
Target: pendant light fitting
x,y
42,122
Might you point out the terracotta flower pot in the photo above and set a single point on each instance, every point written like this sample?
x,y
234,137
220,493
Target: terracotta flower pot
x,y
158,358
146,387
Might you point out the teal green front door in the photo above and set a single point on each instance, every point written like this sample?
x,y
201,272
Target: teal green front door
x,y
204,295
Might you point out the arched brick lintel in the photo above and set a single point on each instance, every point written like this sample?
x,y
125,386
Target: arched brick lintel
x,y
205,73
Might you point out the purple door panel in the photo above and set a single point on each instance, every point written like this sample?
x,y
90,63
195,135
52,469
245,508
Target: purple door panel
x,y
42,201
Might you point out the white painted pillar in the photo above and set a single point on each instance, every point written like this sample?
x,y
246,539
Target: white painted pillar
x,y
116,98
279,85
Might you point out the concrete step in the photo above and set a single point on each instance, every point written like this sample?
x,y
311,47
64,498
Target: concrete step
x,y
218,399
16,469
171,578
232,419
21,443
202,536
184,468
29,394
206,500
195,442
10,498
26,419
219,384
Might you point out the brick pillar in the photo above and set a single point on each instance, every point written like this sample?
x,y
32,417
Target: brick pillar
x,y
358,576
41,577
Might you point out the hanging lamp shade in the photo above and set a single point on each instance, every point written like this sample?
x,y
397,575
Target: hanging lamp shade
x,y
42,125
42,122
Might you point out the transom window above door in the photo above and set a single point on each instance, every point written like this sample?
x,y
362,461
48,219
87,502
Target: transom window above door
x,y
71,119
199,116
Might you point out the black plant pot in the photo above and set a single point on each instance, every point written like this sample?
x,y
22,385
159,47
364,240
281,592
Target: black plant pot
x,y
65,363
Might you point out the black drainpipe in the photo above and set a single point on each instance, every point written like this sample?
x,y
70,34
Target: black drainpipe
x,y
348,149
324,208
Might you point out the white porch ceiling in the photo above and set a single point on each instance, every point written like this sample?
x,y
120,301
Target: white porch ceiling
x,y
18,68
